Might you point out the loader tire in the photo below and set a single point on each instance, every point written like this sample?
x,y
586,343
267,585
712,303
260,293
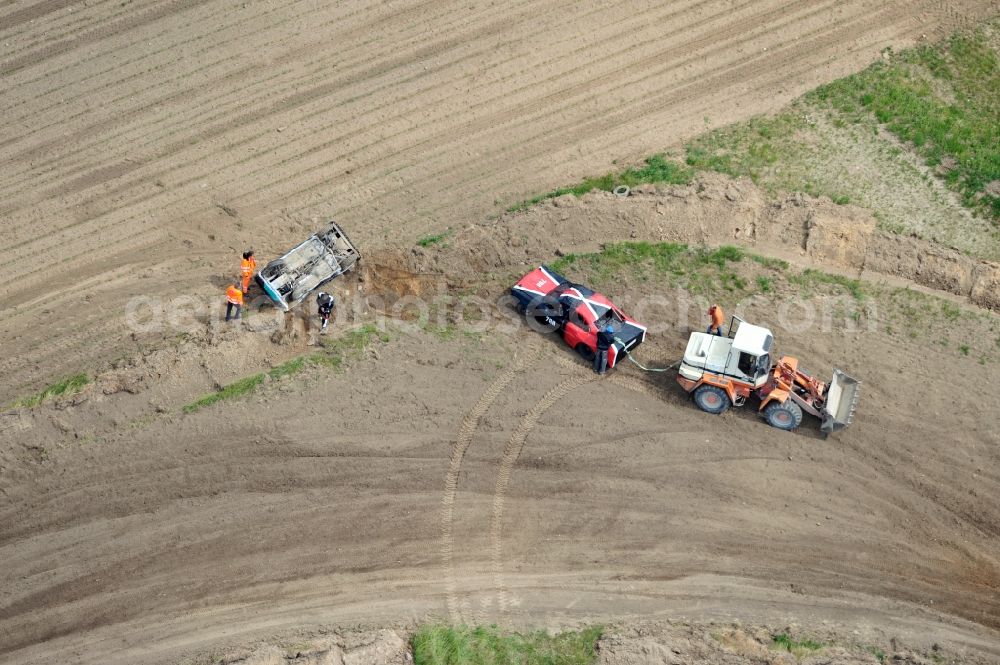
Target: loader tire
x,y
711,399
786,416
585,352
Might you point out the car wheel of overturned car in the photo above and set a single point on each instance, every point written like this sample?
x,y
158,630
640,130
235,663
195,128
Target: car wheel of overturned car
x,y
786,416
585,352
711,399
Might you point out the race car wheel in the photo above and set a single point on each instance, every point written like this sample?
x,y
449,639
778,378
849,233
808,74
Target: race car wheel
x,y
786,416
711,399
585,352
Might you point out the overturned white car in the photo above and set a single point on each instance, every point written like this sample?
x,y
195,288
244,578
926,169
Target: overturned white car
x,y
289,279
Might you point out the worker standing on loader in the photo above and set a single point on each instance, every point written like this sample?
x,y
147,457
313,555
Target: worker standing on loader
x,y
234,300
605,338
326,304
718,317
248,266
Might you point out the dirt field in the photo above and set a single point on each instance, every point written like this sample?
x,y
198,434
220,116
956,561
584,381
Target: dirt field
x,y
467,478
493,478
128,127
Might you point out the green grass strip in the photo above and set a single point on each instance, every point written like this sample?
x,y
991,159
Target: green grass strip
x,y
335,353
656,170
68,386
436,239
236,389
482,645
943,101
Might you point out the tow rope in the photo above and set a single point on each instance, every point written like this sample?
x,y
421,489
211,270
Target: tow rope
x,y
643,367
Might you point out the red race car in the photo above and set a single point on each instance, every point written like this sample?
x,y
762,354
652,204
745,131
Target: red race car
x,y
556,303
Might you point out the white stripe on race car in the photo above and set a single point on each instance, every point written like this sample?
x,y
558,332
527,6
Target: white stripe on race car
x,y
548,275
589,303
524,288
637,325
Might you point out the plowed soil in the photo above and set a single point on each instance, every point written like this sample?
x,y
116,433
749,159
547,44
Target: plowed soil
x,y
130,128
487,478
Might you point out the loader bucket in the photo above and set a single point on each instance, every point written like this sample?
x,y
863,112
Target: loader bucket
x,y
841,400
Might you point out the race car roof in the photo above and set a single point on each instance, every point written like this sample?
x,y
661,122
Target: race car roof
x,y
581,296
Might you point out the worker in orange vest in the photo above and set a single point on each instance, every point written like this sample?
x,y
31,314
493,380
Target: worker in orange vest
x,y
247,268
715,327
234,299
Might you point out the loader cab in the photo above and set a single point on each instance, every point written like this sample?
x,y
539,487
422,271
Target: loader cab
x,y
751,350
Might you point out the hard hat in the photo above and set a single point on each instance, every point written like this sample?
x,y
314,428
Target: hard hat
x,y
609,329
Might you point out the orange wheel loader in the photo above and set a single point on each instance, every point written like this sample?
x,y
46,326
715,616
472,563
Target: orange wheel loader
x,y
720,372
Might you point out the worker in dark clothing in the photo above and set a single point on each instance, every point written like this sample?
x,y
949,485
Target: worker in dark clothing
x,y
605,338
326,304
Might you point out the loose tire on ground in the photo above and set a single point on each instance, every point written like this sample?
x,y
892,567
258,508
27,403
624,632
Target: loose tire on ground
x,y
786,416
711,399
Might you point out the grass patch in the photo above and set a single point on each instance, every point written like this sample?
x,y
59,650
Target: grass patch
x,y
797,648
810,278
335,352
355,341
768,262
894,138
878,653
941,101
657,169
662,256
749,149
66,387
437,239
446,645
765,284
236,389
700,270
287,368
950,311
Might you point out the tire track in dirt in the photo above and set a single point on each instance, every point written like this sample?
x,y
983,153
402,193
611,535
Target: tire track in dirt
x,y
713,17
51,50
694,87
501,108
33,12
314,68
58,25
364,71
212,44
460,446
510,454
185,143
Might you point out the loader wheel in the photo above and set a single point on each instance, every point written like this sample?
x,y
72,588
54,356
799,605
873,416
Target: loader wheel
x,y
711,399
585,352
786,416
